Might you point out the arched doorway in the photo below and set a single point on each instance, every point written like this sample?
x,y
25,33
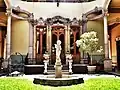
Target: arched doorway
x,y
75,35
40,43
58,33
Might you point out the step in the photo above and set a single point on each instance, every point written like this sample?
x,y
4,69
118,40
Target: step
x,y
64,67
53,71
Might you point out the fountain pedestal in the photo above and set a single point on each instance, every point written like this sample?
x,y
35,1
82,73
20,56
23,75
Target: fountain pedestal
x,y
58,68
58,71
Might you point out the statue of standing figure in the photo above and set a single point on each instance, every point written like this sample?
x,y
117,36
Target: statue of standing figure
x,y
58,49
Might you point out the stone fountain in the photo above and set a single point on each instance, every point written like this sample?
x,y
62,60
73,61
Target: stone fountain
x,y
58,79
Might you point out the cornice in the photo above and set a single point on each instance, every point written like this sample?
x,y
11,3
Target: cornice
x,y
93,11
19,10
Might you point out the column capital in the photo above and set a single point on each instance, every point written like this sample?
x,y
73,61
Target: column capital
x,y
68,27
84,18
31,19
105,12
8,11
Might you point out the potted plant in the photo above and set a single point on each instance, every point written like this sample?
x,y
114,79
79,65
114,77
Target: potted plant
x,y
88,43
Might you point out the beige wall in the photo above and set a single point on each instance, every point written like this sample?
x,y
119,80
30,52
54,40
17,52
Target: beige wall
x,y
98,27
47,10
20,36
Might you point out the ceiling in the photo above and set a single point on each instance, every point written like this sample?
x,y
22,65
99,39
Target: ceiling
x,y
115,3
114,6
114,13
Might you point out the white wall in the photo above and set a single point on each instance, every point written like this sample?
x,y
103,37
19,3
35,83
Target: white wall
x,y
69,10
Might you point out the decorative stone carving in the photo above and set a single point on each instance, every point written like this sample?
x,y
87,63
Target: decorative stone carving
x,y
45,66
84,18
19,10
41,21
58,49
68,57
8,11
56,19
70,66
75,22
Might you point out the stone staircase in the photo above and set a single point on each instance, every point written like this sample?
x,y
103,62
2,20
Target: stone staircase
x,y
51,69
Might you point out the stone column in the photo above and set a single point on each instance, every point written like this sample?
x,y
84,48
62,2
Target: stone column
x,y
84,23
107,61
49,45
8,37
47,41
4,54
34,42
68,45
66,39
81,53
31,37
84,28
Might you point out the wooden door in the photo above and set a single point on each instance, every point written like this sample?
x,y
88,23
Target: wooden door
x,y
118,54
57,34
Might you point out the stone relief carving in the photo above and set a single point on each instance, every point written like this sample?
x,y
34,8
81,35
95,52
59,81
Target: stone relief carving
x,y
75,22
41,21
58,19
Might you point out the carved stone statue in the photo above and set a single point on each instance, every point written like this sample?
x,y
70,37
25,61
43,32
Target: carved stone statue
x,y
58,49
58,67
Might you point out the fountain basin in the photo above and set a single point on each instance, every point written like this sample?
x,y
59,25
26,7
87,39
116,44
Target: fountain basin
x,y
64,81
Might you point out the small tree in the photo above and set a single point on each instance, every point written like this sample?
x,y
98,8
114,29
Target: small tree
x,y
89,43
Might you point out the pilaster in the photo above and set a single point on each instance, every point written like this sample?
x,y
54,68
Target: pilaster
x,y
31,37
68,45
84,23
49,39
107,61
66,39
8,37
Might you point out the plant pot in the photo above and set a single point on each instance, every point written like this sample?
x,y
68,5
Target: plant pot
x,y
91,69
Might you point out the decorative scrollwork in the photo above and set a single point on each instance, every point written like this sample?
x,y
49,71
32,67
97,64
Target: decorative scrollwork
x,y
8,11
57,19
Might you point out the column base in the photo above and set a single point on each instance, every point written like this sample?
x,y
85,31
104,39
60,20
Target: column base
x,y
70,73
45,73
108,64
58,71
